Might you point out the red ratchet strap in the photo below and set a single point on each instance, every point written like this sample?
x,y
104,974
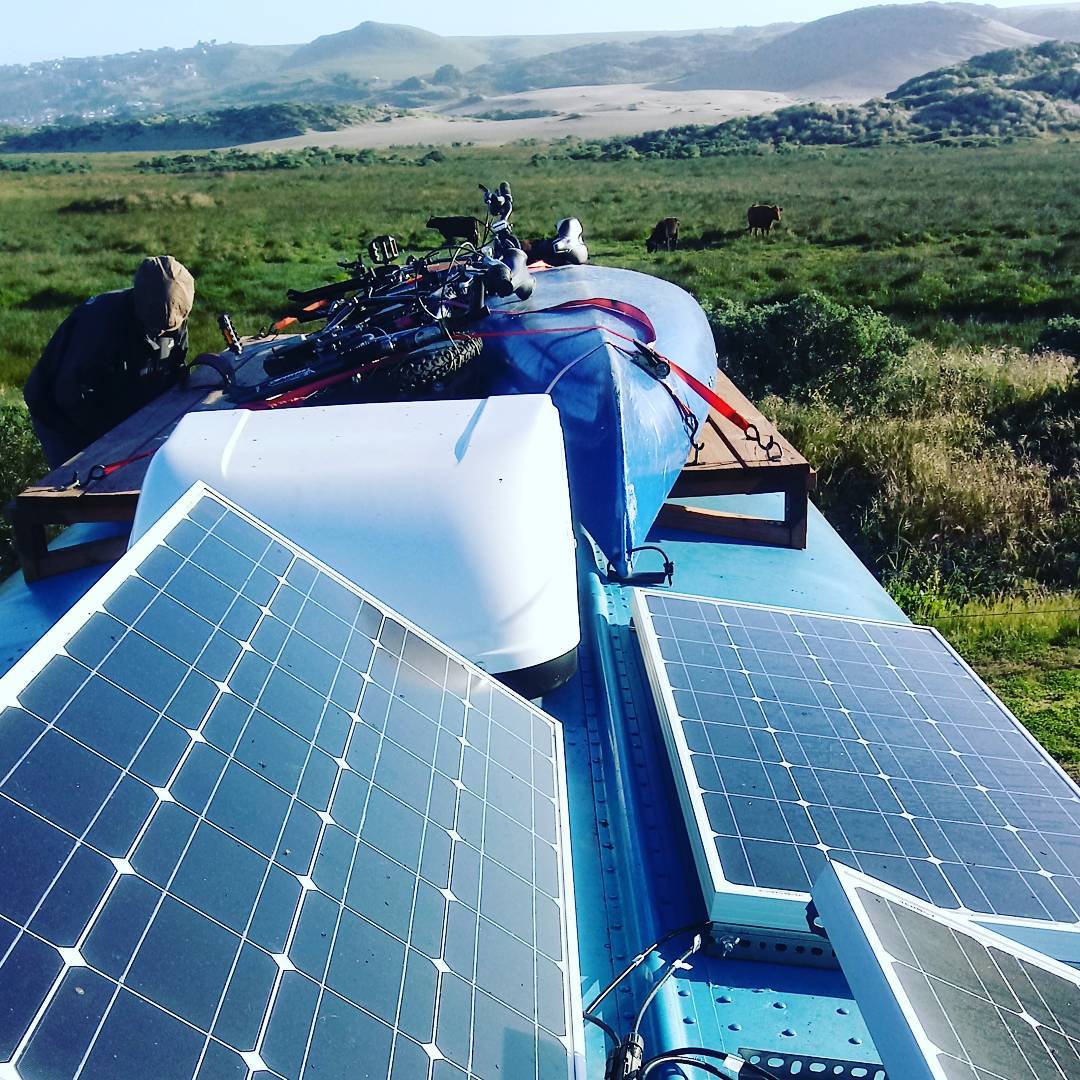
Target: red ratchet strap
x,y
710,396
619,307
605,304
301,393
99,472
636,315
773,450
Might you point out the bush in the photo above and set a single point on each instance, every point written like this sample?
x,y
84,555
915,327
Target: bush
x,y
810,346
21,462
1061,335
241,124
932,499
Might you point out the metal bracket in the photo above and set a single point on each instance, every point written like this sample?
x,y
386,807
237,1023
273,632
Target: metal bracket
x,y
783,1063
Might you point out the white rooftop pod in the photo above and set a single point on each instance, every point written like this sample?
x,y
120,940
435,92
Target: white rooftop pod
x,y
457,513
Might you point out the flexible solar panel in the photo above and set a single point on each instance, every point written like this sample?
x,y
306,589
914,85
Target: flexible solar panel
x,y
943,998
795,737
252,823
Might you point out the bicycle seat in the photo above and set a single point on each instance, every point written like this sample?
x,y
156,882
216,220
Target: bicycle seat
x,y
568,246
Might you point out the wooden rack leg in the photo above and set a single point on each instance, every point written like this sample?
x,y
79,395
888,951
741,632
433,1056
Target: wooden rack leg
x,y
796,510
31,545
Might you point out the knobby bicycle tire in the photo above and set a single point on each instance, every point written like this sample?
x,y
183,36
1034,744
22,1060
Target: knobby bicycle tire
x,y
427,368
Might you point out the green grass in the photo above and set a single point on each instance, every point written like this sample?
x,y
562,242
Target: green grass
x,y
958,481
966,246
1029,653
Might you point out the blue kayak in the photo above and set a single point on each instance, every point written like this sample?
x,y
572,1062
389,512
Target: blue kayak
x,y
627,432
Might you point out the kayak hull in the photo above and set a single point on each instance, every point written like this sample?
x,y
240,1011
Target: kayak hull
x,y
627,435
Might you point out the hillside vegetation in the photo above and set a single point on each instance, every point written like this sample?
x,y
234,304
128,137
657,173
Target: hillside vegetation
x,y
1013,93
220,127
1003,95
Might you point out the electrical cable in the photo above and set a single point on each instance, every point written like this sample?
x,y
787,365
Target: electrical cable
x,y
641,958
573,363
668,972
604,1026
672,1059
741,1068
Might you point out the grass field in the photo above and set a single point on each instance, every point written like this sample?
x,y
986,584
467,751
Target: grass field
x,y
958,481
973,245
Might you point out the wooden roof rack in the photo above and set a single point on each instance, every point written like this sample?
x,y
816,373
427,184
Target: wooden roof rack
x,y
726,462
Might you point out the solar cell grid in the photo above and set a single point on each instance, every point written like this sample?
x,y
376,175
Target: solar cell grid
x,y
947,1000
798,737
264,826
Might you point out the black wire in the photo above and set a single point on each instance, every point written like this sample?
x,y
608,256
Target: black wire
x,y
668,972
640,959
700,1051
605,1027
674,1059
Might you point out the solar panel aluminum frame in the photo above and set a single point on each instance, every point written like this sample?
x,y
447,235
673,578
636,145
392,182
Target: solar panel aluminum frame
x,y
53,641
906,1051
738,905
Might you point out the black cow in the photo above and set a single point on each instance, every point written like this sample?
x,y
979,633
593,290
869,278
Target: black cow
x,y
665,235
760,218
457,228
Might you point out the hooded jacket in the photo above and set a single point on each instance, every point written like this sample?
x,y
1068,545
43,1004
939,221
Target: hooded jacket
x,y
101,364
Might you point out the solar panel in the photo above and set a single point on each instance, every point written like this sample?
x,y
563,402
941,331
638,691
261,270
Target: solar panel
x,y
252,822
943,998
795,736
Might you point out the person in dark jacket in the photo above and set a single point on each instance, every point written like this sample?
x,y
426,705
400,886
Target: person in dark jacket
x,y
113,354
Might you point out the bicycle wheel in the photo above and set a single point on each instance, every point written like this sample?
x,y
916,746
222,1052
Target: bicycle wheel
x,y
429,368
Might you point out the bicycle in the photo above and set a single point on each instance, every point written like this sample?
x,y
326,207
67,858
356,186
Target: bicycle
x,y
392,329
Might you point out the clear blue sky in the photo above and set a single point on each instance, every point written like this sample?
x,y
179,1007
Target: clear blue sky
x,y
49,29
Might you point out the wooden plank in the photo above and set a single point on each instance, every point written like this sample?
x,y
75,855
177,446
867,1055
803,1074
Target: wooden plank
x,y
730,526
796,513
77,557
142,431
55,500
30,542
695,484
68,508
725,444
726,462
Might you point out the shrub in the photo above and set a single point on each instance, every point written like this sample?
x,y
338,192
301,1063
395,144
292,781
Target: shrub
x,y
1061,335
21,461
932,499
808,346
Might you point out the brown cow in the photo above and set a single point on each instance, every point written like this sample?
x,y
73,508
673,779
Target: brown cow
x,y
760,218
665,235
455,228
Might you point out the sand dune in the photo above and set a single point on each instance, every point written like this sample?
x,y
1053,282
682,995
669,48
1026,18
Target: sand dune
x,y
586,111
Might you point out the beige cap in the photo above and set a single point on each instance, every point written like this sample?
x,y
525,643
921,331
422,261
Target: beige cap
x,y
164,293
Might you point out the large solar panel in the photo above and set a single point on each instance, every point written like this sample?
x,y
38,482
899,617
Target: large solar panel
x,y
253,823
795,737
943,998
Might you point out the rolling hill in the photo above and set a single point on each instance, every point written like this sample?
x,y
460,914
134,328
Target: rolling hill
x,y
1057,21
850,56
383,51
863,53
1008,94
356,66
